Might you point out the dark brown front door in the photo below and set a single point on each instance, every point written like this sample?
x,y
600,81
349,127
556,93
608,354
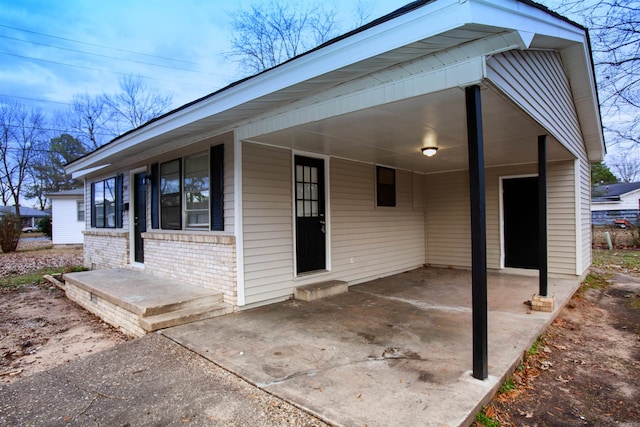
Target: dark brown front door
x,y
139,215
520,202
310,215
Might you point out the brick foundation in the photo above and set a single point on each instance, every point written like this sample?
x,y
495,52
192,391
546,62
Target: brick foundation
x,y
106,249
114,315
207,260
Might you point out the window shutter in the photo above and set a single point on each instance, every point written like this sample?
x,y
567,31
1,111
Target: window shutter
x,y
119,200
155,206
93,204
217,187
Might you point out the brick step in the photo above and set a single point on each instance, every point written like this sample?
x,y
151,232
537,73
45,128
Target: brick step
x,y
319,290
184,315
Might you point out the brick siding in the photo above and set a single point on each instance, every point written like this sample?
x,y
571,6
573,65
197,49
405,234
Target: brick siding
x,y
106,249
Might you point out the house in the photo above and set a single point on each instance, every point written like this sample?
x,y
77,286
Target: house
x,y
67,217
613,202
313,171
29,216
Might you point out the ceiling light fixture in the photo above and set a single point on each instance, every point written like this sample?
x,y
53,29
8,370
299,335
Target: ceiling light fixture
x,y
429,151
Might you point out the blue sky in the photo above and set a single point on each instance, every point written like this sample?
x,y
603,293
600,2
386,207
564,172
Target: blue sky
x,y
51,50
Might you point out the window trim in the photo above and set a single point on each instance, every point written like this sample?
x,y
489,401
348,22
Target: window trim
x,y
215,205
80,212
117,203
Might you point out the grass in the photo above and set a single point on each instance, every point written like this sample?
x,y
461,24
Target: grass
x,y
594,281
16,282
535,347
627,259
508,386
486,420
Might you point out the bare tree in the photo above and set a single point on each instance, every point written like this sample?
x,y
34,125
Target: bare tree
x,y
22,132
269,33
88,119
614,27
626,167
135,104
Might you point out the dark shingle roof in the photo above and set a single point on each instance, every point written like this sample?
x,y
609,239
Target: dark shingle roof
x,y
612,192
25,211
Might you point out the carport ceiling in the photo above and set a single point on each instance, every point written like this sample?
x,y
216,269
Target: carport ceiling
x,y
392,134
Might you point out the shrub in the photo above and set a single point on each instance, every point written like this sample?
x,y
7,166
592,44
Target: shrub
x,y
45,226
10,228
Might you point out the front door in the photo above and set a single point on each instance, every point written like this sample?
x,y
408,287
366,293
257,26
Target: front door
x,y
139,215
310,215
520,202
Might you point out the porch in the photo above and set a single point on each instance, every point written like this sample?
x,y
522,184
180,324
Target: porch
x,y
393,351
138,303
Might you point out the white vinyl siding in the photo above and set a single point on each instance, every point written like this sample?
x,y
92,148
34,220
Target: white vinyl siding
x,y
537,82
65,227
448,231
268,222
367,241
448,219
229,198
370,241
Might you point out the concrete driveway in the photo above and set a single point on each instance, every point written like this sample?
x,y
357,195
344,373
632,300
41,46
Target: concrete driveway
x,y
394,351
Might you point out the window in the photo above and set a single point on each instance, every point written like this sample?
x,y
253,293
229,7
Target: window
x,y
386,186
106,199
170,196
189,192
196,191
80,209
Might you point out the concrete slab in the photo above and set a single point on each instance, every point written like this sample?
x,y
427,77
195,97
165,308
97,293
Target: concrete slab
x,y
394,351
141,293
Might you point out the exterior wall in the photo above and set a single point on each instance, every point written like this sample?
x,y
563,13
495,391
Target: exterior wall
x,y
369,241
366,241
65,227
106,248
599,217
448,232
268,222
206,260
536,81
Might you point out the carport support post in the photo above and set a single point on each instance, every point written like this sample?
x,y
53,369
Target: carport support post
x,y
542,214
478,232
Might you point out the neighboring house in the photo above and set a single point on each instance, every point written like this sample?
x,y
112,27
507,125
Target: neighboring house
x,y
615,202
29,216
313,171
67,217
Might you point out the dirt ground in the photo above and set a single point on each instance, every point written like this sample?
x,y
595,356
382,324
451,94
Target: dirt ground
x,y
39,327
586,368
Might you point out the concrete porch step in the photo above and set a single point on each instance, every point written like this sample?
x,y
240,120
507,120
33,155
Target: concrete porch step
x,y
319,290
138,302
140,293
183,316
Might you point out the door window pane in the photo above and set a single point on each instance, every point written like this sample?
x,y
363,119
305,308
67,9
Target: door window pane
x,y
306,191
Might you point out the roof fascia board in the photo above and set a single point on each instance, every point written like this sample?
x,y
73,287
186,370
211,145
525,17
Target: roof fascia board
x,y
516,15
79,173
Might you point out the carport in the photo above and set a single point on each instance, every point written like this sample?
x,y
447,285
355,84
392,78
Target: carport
x,y
394,351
